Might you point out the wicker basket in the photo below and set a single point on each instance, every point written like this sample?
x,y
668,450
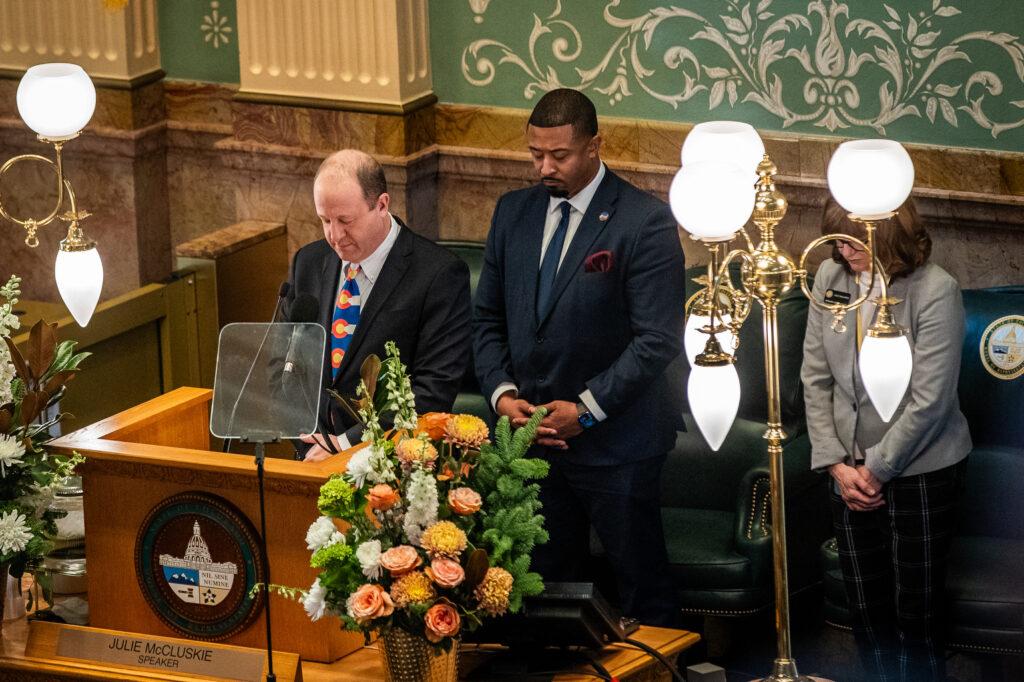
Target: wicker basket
x,y
409,658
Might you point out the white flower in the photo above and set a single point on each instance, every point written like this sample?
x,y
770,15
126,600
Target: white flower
x,y
368,554
14,534
422,509
313,601
359,467
323,533
11,450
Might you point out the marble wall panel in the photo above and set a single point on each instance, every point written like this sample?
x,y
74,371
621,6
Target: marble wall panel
x,y
978,242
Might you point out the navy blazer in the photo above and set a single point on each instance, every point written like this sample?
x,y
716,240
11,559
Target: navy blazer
x,y
618,332
420,301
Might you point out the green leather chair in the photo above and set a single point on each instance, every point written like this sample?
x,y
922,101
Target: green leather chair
x,y
469,400
716,505
984,586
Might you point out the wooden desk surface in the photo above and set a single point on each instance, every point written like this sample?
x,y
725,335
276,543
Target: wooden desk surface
x,y
621,660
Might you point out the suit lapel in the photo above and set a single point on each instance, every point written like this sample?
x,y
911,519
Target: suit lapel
x,y
589,230
390,276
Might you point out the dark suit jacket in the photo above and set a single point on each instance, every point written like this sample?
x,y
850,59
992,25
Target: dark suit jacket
x,y
420,301
618,333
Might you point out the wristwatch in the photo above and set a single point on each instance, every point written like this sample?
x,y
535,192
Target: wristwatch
x,y
584,416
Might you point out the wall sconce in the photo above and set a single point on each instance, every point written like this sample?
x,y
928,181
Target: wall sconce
x,y
57,101
725,179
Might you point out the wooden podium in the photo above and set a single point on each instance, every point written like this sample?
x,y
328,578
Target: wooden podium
x,y
140,457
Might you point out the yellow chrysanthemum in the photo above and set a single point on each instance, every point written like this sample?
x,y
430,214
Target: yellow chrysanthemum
x,y
411,450
443,538
465,430
492,592
412,588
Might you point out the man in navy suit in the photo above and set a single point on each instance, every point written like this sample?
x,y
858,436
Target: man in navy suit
x,y
579,310
377,281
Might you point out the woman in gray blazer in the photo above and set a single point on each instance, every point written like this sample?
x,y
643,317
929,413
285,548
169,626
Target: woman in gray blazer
x,y
895,484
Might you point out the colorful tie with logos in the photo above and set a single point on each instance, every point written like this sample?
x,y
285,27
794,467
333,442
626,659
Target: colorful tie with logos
x,y
346,317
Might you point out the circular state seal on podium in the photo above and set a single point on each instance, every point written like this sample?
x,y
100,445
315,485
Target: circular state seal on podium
x,y
197,560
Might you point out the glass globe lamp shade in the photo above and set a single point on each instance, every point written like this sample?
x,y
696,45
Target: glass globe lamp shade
x,y
885,367
56,100
694,339
711,199
714,396
729,141
79,277
870,178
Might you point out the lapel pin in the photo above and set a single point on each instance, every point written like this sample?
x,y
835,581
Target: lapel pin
x,y
604,216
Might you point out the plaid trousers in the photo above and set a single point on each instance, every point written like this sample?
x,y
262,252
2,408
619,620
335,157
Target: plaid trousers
x,y
894,567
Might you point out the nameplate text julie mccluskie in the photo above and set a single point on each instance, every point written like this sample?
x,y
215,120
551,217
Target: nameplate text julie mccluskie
x,y
197,658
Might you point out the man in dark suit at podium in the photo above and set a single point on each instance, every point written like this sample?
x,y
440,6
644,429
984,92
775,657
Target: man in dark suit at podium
x,y
579,309
376,281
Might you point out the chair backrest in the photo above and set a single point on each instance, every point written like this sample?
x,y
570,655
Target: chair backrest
x,y
472,254
992,399
750,356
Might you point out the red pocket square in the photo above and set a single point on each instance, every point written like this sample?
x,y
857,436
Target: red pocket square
x,y
601,261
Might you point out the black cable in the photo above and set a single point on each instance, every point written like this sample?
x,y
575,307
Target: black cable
x,y
600,669
658,655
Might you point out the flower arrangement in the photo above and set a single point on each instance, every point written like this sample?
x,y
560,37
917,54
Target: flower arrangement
x,y
30,385
431,527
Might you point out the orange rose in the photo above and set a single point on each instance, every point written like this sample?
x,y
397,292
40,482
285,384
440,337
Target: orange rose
x,y
464,501
446,572
442,620
432,423
369,602
400,560
382,497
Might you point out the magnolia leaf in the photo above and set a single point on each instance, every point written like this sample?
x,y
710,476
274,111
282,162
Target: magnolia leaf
x,y
476,569
32,404
20,366
369,372
41,345
6,417
57,381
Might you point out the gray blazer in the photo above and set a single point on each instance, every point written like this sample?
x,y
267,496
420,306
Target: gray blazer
x,y
928,431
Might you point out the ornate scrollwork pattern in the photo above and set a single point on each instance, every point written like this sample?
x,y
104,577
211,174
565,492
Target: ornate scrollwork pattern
x,y
842,69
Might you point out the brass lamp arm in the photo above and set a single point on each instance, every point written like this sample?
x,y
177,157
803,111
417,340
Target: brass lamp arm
x,y
840,309
742,310
30,224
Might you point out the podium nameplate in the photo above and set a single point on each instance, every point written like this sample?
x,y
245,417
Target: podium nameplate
x,y
167,656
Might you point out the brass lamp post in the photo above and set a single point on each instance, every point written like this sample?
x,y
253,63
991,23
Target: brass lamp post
x,y
767,273
56,101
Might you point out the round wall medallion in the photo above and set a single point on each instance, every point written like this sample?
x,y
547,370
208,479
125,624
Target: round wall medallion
x,y
196,560
1002,347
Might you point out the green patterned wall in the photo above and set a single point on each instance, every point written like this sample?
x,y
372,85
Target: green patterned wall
x,y
948,72
199,39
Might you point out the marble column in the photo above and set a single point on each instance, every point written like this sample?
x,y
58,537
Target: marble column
x,y
370,56
118,165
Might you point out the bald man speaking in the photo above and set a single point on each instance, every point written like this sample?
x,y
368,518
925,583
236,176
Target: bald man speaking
x,y
376,281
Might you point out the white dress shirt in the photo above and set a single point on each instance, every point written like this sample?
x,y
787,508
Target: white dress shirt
x,y
579,202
